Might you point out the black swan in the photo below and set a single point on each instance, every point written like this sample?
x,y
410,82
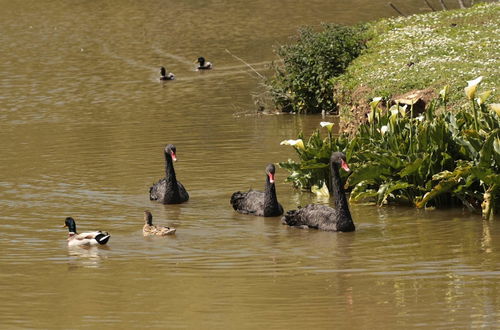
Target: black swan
x,y
165,76
262,204
321,216
203,65
168,190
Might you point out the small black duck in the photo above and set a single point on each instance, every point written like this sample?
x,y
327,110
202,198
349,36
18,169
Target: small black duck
x,y
203,65
166,76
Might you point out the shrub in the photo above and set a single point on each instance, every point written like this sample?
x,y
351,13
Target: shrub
x,y
302,79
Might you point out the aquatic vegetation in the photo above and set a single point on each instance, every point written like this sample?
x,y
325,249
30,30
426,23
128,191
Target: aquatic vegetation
x,y
302,79
438,158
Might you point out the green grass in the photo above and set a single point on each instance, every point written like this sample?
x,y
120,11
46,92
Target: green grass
x,y
426,51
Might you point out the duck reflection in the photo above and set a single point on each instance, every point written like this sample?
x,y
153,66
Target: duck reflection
x,y
86,256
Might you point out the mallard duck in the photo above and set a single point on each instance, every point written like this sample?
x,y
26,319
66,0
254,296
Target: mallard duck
x,y
150,229
165,76
203,65
88,238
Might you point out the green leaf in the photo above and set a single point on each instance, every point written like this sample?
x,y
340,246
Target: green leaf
x,y
385,190
411,168
369,172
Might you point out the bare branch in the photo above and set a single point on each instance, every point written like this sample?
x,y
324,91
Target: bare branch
x,y
429,5
396,9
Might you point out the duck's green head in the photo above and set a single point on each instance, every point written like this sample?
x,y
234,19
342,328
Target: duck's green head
x,y
70,223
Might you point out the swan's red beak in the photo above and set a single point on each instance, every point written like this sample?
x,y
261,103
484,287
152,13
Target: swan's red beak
x,y
174,158
344,165
271,177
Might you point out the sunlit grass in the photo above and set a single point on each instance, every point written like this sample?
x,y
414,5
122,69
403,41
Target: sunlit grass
x,y
428,50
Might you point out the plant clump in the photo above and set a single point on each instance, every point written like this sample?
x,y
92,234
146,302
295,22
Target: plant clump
x,y
437,158
302,82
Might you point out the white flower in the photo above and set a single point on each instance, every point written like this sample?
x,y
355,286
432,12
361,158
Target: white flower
x,y
320,192
444,92
470,90
327,124
384,129
481,98
375,102
496,108
295,143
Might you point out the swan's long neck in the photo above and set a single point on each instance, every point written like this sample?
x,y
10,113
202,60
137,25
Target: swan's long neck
x,y
170,178
271,204
340,199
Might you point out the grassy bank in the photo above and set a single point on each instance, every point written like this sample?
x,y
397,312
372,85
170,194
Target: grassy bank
x,y
425,51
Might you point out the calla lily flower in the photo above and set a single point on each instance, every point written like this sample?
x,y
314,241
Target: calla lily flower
x,y
375,102
471,88
444,92
481,98
321,192
327,124
295,143
384,129
496,107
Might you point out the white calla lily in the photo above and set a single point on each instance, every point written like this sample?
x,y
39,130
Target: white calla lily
x,y
481,98
321,192
496,107
375,102
384,129
327,124
294,143
444,92
471,88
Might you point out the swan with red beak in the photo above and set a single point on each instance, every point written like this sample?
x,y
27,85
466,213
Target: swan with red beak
x,y
263,204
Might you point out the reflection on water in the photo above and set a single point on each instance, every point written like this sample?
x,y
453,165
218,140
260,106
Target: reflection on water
x,y
83,124
85,256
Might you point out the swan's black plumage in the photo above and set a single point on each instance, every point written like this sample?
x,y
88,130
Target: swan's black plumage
x,y
321,216
168,190
263,204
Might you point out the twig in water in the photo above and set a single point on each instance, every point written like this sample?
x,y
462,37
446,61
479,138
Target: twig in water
x,y
236,57
429,5
396,9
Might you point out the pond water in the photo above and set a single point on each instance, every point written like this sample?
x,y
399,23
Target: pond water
x,y
83,122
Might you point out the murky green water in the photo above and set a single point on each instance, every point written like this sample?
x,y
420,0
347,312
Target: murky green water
x,y
83,121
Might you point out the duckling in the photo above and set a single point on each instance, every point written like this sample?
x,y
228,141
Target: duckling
x,y
165,76
150,229
203,65
84,239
